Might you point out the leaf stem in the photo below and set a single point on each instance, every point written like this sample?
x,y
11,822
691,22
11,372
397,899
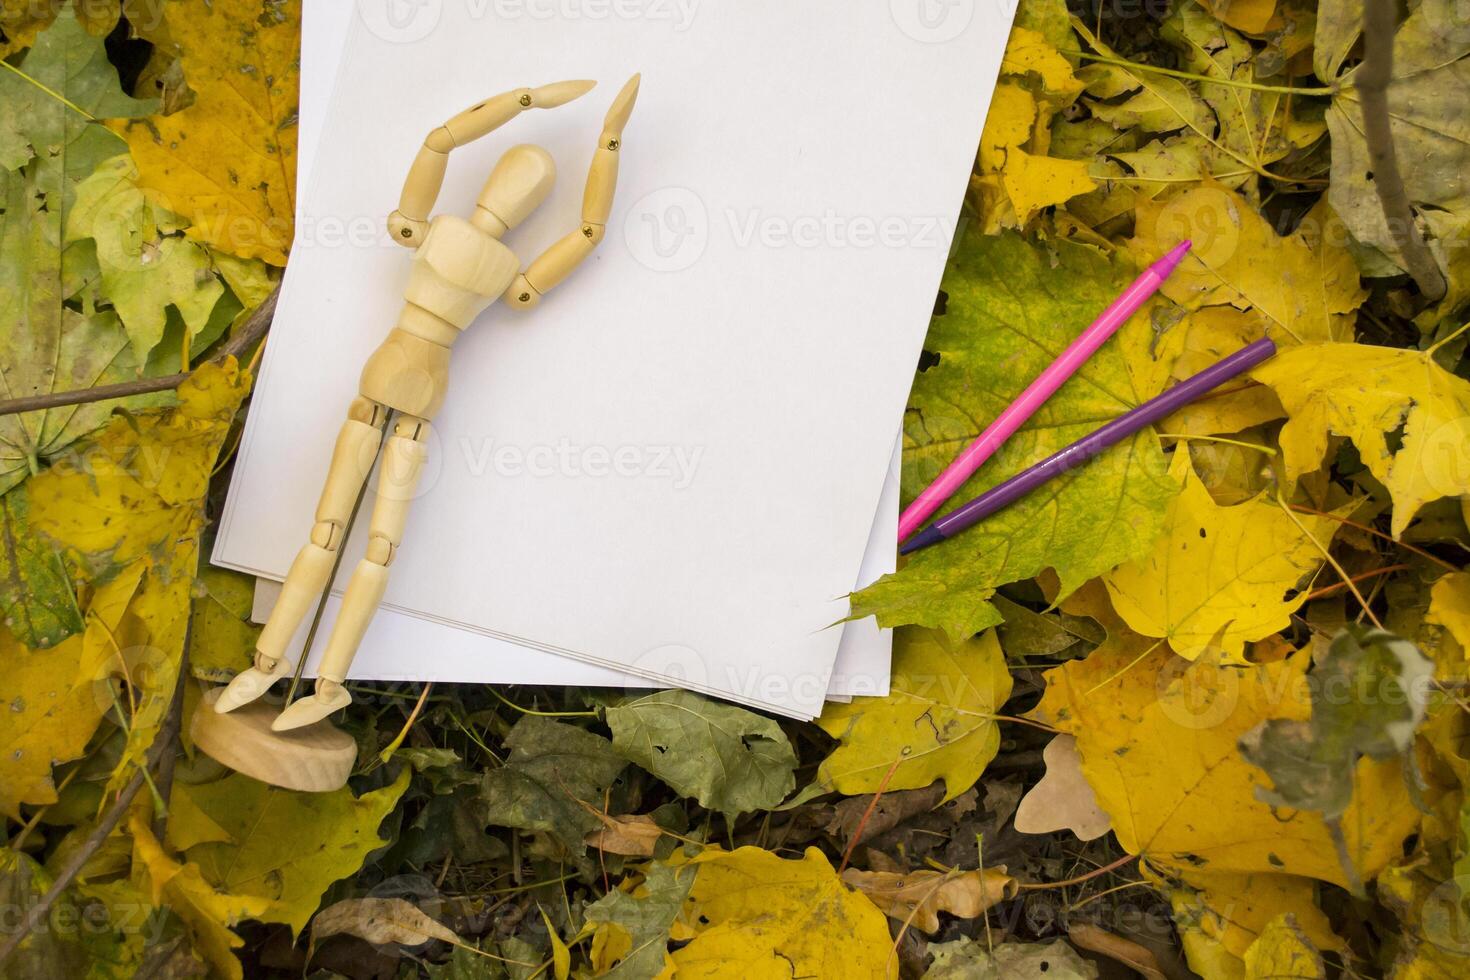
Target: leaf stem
x,y
1228,82
1094,873
1429,351
539,714
1229,442
1300,509
1342,573
51,92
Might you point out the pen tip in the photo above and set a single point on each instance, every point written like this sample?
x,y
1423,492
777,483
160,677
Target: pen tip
x,y
930,535
1173,257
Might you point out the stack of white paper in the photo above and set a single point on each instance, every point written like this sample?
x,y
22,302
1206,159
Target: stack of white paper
x,y
668,471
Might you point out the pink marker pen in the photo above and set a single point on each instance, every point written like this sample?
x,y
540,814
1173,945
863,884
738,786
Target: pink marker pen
x,y
1016,414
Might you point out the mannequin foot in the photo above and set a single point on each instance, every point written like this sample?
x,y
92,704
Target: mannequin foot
x,y
328,697
251,684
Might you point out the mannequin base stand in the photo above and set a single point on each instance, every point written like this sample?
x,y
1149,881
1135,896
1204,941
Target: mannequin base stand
x,y
314,759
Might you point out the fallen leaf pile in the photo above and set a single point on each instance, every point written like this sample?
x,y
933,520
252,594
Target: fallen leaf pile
x,y
1198,707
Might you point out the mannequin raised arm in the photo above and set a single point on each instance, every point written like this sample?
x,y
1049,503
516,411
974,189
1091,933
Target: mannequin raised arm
x,y
558,261
410,223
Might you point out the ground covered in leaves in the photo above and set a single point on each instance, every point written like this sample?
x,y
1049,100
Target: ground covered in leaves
x,y
1197,708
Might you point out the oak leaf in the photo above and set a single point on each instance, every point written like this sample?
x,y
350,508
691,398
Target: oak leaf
x,y
937,722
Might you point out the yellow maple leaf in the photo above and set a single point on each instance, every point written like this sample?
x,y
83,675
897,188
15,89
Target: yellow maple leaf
x,y
1283,950
1221,917
755,914
207,913
937,722
1305,284
1218,577
284,847
227,163
1371,395
1016,178
1175,344
131,502
1159,737
1449,606
1250,16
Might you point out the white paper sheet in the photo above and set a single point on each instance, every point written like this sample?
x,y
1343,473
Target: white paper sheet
x,y
739,345
393,648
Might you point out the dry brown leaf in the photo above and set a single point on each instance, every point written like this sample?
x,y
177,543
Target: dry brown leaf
x,y
633,835
1095,939
380,921
919,896
1063,800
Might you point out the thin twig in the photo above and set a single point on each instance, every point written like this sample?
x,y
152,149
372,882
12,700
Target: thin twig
x,y
1374,76
164,781
1094,873
250,331
1327,590
163,745
857,832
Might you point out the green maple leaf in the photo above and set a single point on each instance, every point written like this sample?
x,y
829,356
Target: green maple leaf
x,y
54,338
1011,310
250,839
146,263
50,114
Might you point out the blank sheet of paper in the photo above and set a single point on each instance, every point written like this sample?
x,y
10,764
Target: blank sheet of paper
x,y
670,467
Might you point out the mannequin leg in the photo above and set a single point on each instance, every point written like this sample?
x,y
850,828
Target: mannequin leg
x,y
403,463
352,459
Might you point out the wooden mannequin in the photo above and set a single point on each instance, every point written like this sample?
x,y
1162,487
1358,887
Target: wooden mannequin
x,y
461,267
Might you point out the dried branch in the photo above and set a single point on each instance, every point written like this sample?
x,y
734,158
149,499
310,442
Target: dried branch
x,y
1374,75
250,331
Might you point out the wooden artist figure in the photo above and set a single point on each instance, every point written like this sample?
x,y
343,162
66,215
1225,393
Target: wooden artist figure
x,y
460,268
